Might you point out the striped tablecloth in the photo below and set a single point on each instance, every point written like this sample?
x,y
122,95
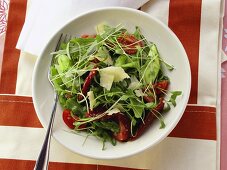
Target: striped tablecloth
x,y
193,145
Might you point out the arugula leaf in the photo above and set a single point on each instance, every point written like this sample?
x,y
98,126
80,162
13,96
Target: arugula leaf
x,y
109,125
137,107
150,70
104,56
62,99
166,108
156,63
168,66
119,51
173,97
137,33
76,108
175,94
130,65
102,28
104,136
124,97
82,41
121,60
65,78
64,62
56,81
78,47
163,125
160,118
150,105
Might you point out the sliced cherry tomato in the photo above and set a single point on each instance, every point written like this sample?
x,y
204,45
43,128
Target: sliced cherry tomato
x,y
160,105
148,119
148,99
124,125
95,112
88,36
68,119
130,43
144,126
161,86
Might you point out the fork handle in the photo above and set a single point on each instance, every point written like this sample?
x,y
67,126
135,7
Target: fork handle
x,y
43,159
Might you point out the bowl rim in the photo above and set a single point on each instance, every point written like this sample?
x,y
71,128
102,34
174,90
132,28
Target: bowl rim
x,y
172,125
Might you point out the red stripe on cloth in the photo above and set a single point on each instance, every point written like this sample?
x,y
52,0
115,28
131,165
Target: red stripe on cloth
x,y
18,111
198,122
104,167
8,164
184,20
16,17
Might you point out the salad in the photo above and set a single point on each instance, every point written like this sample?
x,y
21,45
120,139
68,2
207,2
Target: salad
x,y
112,85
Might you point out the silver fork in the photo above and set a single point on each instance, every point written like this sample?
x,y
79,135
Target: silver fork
x,y
43,159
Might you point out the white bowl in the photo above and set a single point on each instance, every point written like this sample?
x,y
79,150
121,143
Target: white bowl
x,y
171,50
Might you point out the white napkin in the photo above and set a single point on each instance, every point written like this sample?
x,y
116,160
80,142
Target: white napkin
x,y
44,18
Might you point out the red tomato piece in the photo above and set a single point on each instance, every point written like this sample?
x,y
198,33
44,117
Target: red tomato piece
x,y
88,80
148,119
159,88
129,43
88,36
87,83
95,112
124,125
148,99
68,119
162,85
160,105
